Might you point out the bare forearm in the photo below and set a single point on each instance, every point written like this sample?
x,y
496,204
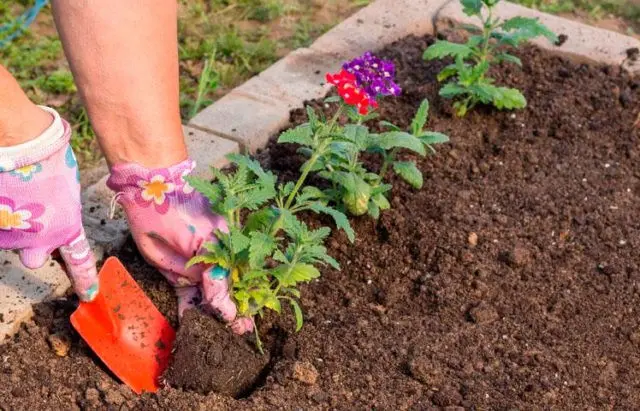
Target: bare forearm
x,y
124,56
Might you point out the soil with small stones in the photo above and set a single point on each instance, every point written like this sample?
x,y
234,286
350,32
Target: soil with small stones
x,y
511,280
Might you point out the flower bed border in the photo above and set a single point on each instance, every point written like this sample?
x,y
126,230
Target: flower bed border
x,y
245,118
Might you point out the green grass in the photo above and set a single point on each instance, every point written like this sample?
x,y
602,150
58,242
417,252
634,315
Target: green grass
x,y
596,9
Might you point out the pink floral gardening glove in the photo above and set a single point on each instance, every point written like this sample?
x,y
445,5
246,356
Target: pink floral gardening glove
x,y
169,222
40,207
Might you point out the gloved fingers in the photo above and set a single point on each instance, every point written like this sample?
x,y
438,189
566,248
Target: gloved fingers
x,y
169,261
34,257
81,267
188,297
215,290
242,325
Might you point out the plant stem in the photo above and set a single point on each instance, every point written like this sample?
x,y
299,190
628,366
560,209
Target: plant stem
x,y
387,161
488,28
258,341
305,173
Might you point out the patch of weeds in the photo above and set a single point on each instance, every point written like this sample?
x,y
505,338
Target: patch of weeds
x,y
58,82
306,31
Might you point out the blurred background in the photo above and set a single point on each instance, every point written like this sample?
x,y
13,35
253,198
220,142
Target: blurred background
x,y
222,43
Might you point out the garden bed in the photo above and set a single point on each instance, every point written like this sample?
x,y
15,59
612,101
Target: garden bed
x,y
511,280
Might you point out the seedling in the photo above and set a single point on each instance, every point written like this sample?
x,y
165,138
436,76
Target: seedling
x,y
267,251
470,84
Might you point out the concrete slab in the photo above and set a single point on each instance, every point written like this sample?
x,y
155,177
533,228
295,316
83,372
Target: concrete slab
x,y
381,23
294,79
208,150
21,287
245,118
584,43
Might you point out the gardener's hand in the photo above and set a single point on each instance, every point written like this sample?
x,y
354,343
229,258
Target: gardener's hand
x,y
40,207
169,222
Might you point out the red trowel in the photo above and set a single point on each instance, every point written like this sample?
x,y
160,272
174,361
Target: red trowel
x,y
125,329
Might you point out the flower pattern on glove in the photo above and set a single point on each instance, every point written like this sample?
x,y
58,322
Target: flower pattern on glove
x,y
155,189
20,218
26,173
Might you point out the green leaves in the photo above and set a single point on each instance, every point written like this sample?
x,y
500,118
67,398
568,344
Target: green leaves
x,y
297,312
400,139
420,119
471,7
409,173
525,28
441,49
302,135
469,83
341,220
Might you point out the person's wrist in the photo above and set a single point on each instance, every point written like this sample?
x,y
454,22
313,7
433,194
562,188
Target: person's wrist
x,y
23,124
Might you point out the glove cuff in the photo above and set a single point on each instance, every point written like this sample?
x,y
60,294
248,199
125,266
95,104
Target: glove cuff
x,y
53,139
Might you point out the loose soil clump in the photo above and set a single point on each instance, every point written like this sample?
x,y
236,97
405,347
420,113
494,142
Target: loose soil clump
x,y
208,357
536,310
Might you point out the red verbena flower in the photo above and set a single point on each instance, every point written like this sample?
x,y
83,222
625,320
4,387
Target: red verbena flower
x,y
351,93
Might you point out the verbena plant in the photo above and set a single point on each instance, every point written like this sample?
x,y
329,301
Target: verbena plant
x,y
470,83
267,250
334,151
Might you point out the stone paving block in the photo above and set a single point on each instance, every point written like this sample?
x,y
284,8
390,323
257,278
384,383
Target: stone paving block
x,y
584,43
294,79
377,25
208,150
245,118
21,287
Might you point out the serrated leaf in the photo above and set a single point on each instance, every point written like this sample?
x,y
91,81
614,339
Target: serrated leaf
x,y
293,291
471,7
333,99
452,90
287,188
302,135
261,246
381,201
341,220
239,241
447,72
290,276
509,98
210,190
420,119
433,137
389,125
400,139
201,259
508,58
260,220
313,117
373,210
273,303
409,173
529,27
297,312
357,134
443,48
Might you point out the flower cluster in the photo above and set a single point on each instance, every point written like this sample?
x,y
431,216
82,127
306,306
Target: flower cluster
x,y
374,75
348,89
363,79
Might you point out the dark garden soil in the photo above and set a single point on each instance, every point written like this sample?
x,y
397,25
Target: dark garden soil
x,y
510,281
